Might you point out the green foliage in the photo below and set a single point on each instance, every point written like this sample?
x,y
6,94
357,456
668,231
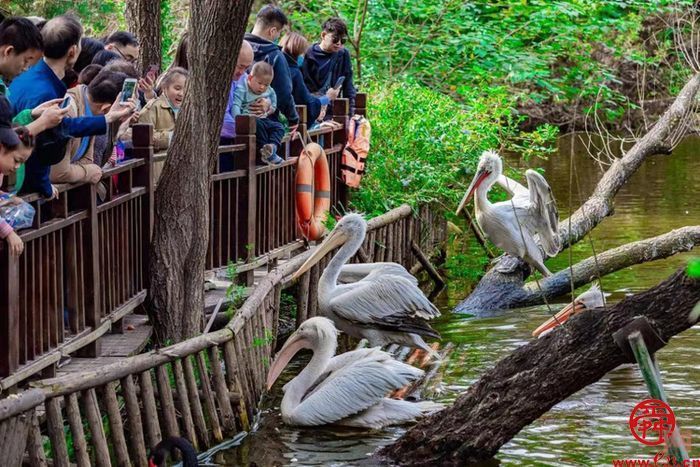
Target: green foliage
x,y
693,269
235,293
425,145
288,304
98,18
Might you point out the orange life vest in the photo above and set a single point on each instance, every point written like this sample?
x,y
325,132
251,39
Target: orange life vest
x,y
313,191
355,153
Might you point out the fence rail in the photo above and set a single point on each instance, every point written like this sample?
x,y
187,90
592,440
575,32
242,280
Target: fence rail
x,y
205,389
85,264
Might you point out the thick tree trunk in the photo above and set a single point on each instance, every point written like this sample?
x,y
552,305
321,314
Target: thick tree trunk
x,y
534,378
659,140
143,19
516,295
180,238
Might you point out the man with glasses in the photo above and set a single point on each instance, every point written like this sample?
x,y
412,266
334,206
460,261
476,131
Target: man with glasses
x,y
327,61
124,44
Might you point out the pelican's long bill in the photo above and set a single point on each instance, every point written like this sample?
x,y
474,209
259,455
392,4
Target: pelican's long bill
x,y
476,181
290,348
560,318
334,240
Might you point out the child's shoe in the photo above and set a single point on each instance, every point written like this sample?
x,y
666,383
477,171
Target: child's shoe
x,y
268,155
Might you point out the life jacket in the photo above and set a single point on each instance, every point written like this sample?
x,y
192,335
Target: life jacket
x,y
352,167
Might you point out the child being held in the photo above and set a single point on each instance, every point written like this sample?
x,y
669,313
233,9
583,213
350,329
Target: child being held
x,y
269,133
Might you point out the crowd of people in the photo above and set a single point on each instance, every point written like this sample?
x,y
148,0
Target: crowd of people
x,y
65,115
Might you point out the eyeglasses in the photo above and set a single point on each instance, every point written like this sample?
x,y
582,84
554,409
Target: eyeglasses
x,y
128,59
337,39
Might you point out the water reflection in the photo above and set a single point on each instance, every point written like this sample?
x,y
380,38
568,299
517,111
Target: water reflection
x,y
589,428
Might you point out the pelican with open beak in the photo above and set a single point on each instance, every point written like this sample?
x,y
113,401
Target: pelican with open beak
x,y
589,300
384,307
349,389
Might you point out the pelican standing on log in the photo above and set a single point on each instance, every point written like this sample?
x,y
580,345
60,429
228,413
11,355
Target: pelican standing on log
x,y
589,300
384,307
519,224
348,389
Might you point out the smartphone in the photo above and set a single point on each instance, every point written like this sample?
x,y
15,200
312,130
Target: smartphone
x,y
152,71
339,83
65,102
128,89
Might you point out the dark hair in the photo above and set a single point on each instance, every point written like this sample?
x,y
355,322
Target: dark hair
x,y
181,52
88,73
103,57
122,38
106,86
60,34
21,34
337,27
122,66
89,47
270,15
25,136
170,75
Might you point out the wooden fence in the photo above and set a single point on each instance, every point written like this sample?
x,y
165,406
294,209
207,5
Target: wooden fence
x,y
85,264
205,389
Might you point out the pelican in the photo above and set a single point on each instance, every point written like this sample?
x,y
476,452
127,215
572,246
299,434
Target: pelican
x,y
348,389
383,307
519,224
589,300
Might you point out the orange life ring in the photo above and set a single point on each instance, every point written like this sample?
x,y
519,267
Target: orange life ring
x,y
313,191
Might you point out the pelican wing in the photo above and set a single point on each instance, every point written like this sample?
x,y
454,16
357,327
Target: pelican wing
x,y
386,301
543,210
355,272
354,387
513,188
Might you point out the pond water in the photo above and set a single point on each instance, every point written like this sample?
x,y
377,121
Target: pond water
x,y
590,427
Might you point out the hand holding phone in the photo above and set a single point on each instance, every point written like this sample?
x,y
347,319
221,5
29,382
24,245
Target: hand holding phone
x,y
65,102
339,83
128,89
152,72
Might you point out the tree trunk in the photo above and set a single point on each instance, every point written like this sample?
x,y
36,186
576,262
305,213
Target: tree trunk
x,y
181,235
143,19
659,140
537,376
516,295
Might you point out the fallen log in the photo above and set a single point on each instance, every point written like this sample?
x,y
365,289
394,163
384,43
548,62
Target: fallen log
x,y
537,376
660,139
514,294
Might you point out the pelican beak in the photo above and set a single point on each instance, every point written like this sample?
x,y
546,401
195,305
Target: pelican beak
x,y
476,181
334,240
560,318
294,344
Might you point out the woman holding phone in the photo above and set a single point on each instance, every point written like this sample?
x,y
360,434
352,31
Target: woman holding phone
x,y
294,46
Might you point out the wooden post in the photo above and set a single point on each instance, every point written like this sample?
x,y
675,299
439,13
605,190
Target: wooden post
x,y
9,316
341,111
361,104
297,145
143,176
652,378
245,134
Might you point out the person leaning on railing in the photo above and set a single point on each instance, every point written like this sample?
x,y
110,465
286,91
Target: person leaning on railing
x,y
99,98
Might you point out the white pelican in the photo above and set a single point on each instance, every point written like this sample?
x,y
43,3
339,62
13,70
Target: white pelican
x,y
349,389
514,224
589,300
384,307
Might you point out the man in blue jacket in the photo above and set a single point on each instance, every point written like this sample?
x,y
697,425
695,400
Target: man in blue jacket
x,y
41,83
269,23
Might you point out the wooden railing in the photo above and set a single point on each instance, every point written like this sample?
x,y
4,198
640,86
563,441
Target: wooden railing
x,y
85,265
205,389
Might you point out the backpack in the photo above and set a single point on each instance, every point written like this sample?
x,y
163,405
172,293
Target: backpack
x,y
352,166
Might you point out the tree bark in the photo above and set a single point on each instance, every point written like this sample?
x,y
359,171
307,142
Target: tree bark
x,y
181,236
516,295
537,376
659,140
143,19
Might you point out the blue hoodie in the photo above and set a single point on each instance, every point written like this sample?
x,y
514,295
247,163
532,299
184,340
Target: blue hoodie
x,y
320,65
282,82
301,93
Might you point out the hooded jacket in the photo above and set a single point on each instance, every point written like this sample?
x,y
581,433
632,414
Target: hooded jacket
x,y
282,81
319,65
301,93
